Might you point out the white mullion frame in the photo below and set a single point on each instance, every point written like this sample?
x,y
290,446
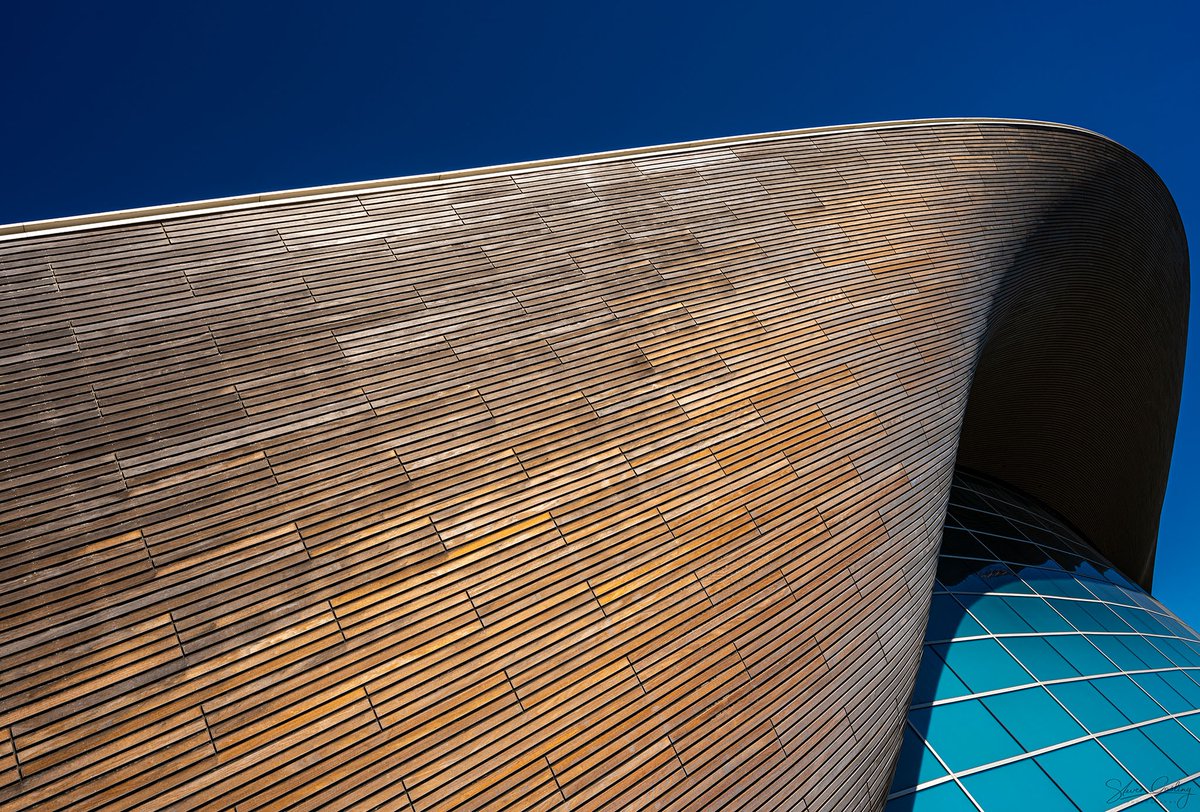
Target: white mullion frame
x,y
956,776
1036,594
1046,684
1102,654
1094,737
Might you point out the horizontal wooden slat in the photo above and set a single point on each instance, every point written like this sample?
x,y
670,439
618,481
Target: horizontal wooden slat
x,y
593,485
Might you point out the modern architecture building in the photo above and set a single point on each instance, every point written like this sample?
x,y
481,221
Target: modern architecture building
x,y
1048,678
813,470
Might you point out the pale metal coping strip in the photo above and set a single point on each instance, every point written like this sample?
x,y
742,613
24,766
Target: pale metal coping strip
x,y
173,211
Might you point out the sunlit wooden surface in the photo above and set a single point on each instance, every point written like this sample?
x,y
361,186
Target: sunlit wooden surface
x,y
614,484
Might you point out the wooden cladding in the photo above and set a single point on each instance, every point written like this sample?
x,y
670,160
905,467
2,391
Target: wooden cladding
x,y
608,484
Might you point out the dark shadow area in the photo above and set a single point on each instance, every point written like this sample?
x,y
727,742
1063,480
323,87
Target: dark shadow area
x,y
1076,388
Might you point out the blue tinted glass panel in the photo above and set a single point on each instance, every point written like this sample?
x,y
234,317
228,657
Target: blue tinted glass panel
x,y
1055,584
1089,706
1192,723
1088,570
1114,648
1076,614
1146,651
935,680
1178,629
1178,651
1161,692
948,619
996,614
1034,718
1038,614
1036,654
1105,591
964,734
1087,616
1141,756
1129,698
1114,575
916,764
1111,663
945,797
1081,654
1174,740
1141,620
1066,560
1089,776
1145,601
983,665
1184,686
1011,788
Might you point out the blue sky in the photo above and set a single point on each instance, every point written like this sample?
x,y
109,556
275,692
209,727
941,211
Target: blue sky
x,y
110,106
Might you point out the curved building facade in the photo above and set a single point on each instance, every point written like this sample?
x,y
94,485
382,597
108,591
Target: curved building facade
x,y
1048,678
603,483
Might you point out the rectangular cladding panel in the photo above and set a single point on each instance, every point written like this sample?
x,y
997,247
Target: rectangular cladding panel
x,y
606,484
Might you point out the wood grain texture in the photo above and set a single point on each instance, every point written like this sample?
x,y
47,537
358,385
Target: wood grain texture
x,y
609,484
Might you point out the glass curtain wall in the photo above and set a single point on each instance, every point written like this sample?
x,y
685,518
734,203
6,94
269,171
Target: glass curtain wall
x,y
1048,680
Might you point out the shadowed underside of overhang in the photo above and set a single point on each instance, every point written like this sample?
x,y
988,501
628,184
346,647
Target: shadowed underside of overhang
x,y
1076,391
595,484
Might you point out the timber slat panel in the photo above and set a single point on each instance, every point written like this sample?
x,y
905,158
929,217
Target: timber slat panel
x,y
610,484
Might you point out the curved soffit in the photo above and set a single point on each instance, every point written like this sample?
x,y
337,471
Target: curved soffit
x,y
1076,390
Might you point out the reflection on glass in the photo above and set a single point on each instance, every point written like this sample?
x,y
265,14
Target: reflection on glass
x,y
1048,679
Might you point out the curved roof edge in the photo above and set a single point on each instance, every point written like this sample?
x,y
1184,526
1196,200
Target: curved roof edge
x,y
167,211
1023,396
1075,393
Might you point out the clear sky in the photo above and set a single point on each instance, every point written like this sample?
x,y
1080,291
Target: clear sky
x,y
114,105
